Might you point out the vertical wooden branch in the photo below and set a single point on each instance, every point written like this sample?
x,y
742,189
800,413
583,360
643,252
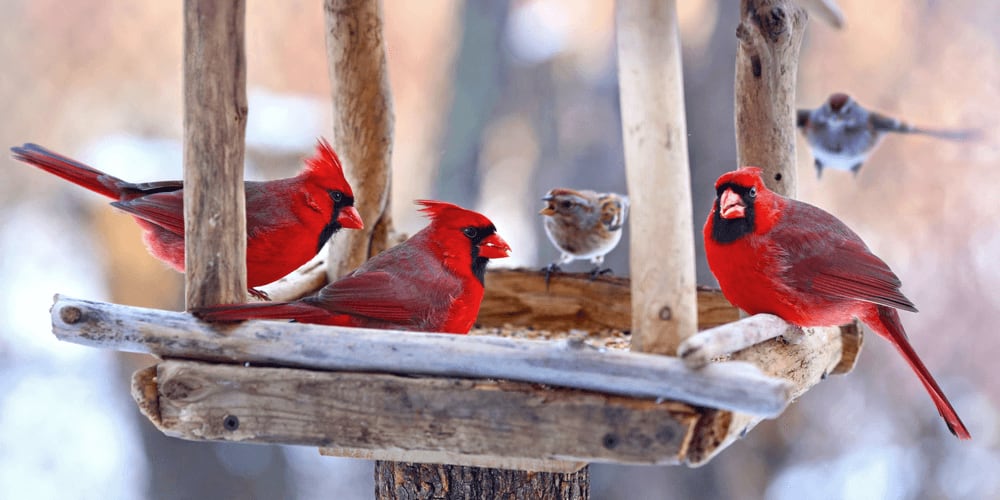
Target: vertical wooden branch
x,y
362,124
767,60
215,112
664,308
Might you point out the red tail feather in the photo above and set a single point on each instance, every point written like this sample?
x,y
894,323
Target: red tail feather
x,y
69,169
889,326
273,310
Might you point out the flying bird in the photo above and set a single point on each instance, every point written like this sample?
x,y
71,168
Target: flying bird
x,y
842,134
288,220
780,256
583,225
431,282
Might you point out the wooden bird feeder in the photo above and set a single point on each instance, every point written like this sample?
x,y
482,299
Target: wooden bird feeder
x,y
441,410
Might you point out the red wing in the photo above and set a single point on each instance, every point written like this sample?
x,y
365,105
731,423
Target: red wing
x,y
375,294
826,257
855,278
164,210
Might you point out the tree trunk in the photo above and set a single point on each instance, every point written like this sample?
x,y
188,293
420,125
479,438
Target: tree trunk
x,y
406,481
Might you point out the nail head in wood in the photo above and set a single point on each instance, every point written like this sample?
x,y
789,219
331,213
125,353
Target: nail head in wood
x,y
610,441
231,422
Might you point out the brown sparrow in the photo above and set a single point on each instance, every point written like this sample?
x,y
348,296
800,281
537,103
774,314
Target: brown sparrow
x,y
583,225
842,134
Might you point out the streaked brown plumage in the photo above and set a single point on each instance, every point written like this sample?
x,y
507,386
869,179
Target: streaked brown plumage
x,y
583,225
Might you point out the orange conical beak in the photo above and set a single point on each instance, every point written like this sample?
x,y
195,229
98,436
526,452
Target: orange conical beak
x,y
494,247
731,205
349,218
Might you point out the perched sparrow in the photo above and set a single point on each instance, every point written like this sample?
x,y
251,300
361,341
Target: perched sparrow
x,y
583,225
842,134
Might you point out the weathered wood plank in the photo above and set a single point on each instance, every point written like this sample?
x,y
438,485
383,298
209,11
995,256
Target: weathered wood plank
x,y
664,306
520,298
215,114
452,458
362,124
767,60
718,343
852,337
204,401
804,363
706,346
735,386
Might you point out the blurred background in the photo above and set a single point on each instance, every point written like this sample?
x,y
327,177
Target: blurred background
x,y
496,102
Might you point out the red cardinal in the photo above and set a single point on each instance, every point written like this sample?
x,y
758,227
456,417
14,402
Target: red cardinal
x,y
431,282
288,220
780,256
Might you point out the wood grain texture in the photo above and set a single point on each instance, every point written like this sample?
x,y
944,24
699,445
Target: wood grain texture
x,y
767,60
706,346
453,458
430,481
520,298
570,363
852,337
215,113
362,124
203,401
664,306
804,363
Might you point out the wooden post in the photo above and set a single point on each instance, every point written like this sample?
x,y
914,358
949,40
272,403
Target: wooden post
x,y
767,61
362,124
215,113
664,308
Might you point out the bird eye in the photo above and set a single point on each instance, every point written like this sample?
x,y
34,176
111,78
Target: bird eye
x,y
753,192
337,196
470,232
565,204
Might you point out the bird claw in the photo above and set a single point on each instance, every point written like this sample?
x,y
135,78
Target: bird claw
x,y
549,271
598,272
260,294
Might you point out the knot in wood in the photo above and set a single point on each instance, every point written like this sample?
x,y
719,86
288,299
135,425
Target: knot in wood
x,y
70,315
773,21
177,389
665,313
